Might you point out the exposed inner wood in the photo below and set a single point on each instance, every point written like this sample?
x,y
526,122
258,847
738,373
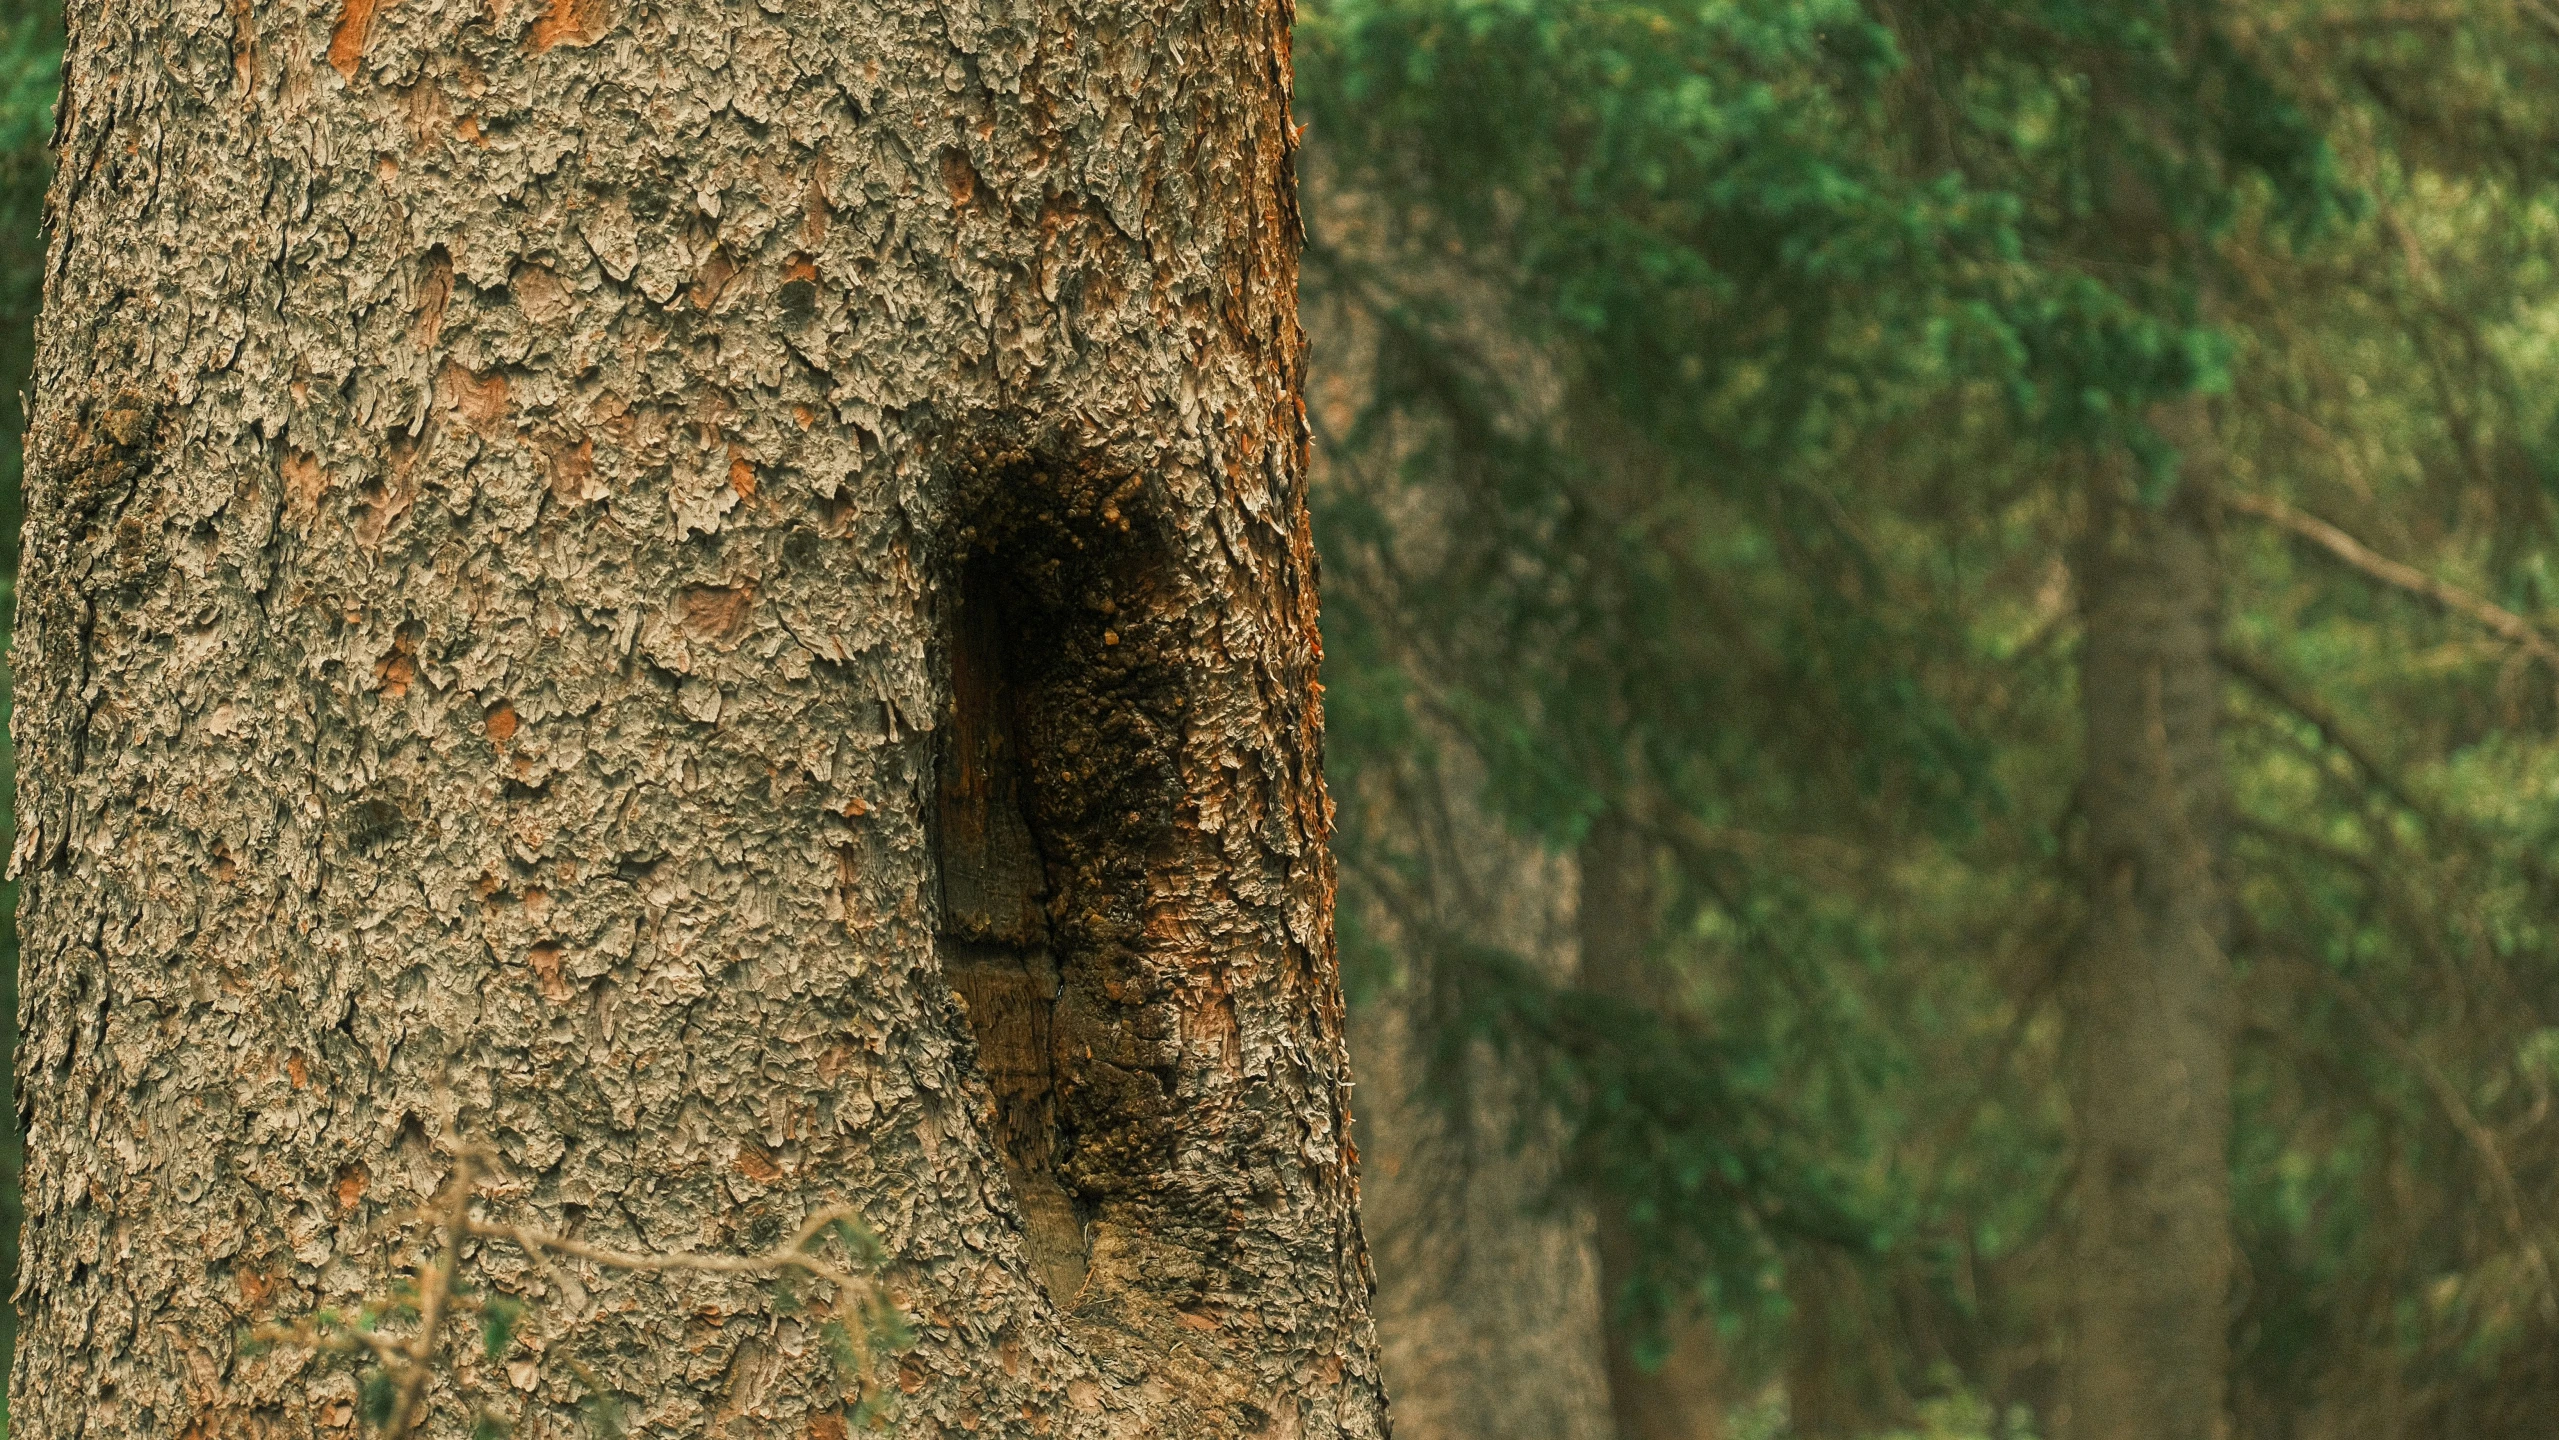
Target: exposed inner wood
x,y
995,942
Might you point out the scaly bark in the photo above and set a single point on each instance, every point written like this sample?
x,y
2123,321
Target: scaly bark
x,y
1677,1398
500,498
2150,999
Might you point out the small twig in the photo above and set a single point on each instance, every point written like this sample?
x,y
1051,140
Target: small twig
x,y
2542,15
2261,677
791,1256
311,1337
408,1365
435,1290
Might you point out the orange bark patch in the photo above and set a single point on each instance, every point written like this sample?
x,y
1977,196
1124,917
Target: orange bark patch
x,y
799,267
741,474
468,127
435,292
572,23
304,483
711,279
346,45
757,1166
428,113
398,667
715,612
244,50
825,1427
545,960
573,472
820,214
540,293
959,177
479,399
255,1290
298,1069
501,722
352,1182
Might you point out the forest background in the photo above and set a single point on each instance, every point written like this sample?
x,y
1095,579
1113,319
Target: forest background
x,y
1734,419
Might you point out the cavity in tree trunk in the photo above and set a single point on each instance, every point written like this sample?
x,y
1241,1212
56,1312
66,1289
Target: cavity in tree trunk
x,y
2150,1016
1675,1397
718,599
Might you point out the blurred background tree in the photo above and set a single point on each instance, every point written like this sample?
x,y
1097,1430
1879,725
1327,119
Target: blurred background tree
x,y
1863,541
1986,543
30,70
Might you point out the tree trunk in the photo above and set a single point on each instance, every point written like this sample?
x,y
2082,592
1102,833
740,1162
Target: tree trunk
x,y
714,600
1839,1378
2150,1005
1677,1398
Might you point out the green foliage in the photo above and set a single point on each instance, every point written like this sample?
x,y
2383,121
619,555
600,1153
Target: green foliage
x,y
1725,374
861,1244
377,1396
30,71
1719,383
600,1409
498,1316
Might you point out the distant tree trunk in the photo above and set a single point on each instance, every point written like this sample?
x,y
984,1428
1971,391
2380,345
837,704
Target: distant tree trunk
x,y
716,598
1677,1399
1488,1289
1839,1379
2150,1006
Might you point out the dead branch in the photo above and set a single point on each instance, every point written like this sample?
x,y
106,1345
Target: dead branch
x,y
2498,620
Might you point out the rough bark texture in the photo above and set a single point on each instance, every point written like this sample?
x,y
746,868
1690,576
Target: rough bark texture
x,y
1675,1399
2150,1006
501,494
1488,1286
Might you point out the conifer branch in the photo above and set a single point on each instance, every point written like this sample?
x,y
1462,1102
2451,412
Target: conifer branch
x,y
2261,677
2460,829
2498,620
2448,1098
